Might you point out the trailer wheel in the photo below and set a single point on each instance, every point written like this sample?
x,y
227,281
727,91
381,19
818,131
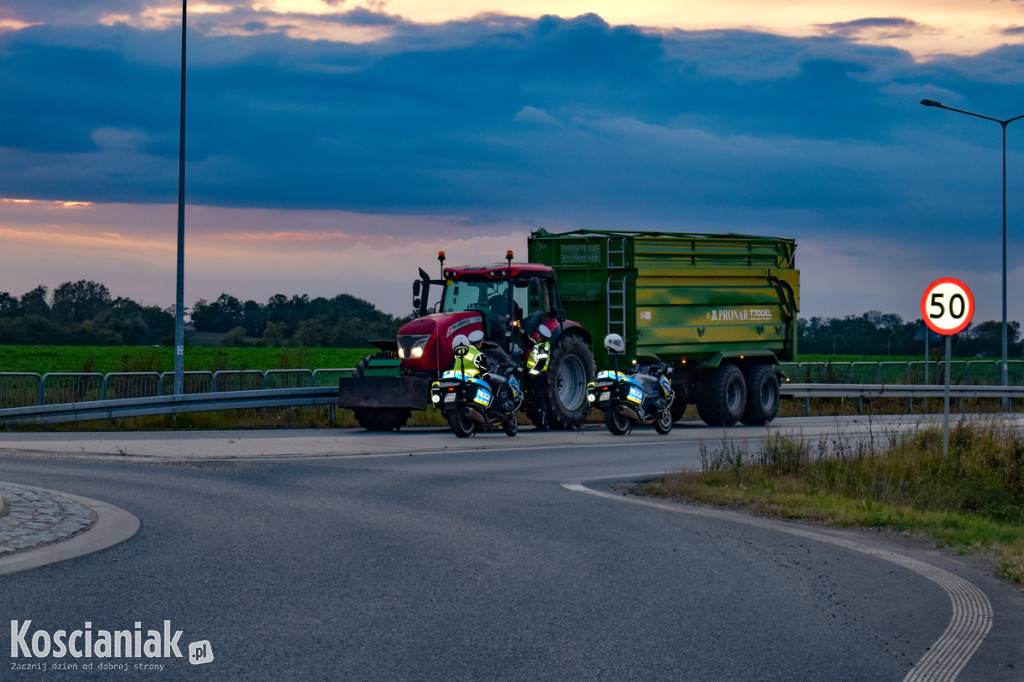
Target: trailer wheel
x,y
378,419
563,387
721,395
762,395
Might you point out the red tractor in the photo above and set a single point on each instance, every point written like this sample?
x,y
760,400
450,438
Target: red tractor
x,y
517,306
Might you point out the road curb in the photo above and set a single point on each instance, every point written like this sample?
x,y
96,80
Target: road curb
x,y
112,525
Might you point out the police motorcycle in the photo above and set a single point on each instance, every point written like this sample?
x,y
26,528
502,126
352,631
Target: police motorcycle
x,y
642,395
474,395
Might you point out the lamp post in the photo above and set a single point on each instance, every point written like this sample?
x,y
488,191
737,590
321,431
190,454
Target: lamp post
x,y
179,297
1004,123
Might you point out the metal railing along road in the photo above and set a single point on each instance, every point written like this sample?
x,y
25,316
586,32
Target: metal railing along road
x,y
77,396
24,389
28,397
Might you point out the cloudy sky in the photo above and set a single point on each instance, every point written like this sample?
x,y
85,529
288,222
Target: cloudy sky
x,y
334,146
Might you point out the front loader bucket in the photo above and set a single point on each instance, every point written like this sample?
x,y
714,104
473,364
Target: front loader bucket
x,y
384,392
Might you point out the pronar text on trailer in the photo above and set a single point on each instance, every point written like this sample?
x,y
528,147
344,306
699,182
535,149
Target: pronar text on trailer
x,y
722,308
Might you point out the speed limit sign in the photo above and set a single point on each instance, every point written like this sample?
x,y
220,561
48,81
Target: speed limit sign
x,y
947,306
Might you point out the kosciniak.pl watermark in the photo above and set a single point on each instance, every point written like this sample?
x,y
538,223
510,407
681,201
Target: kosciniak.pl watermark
x,y
37,649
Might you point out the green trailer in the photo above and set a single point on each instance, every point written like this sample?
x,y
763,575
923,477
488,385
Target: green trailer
x,y
721,308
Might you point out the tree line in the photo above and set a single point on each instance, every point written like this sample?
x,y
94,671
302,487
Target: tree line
x,y
84,313
875,333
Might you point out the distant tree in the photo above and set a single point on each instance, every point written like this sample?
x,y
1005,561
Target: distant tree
x,y
986,339
311,332
32,330
220,316
9,306
273,335
139,325
235,338
79,301
34,302
254,318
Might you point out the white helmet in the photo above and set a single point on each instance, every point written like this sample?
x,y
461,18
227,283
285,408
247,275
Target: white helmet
x,y
614,343
460,340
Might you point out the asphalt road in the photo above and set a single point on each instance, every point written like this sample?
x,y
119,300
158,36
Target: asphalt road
x,y
418,557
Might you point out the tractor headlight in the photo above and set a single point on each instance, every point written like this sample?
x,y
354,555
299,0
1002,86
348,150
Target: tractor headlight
x,y
412,346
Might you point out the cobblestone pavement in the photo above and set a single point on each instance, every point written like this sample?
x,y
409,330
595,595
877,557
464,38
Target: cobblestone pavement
x,y
36,517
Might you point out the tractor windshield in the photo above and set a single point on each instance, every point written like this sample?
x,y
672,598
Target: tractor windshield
x,y
491,296
462,295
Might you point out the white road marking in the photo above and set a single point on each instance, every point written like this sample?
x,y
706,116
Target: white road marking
x,y
972,611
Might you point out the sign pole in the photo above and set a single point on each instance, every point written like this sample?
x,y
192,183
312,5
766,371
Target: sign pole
x,y
945,416
947,308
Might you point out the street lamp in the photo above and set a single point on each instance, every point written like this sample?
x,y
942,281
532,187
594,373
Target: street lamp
x,y
1004,123
179,296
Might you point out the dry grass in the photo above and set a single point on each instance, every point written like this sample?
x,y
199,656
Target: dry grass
x,y
973,499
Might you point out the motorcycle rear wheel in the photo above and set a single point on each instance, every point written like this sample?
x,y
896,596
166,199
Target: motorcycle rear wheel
x,y
618,424
461,425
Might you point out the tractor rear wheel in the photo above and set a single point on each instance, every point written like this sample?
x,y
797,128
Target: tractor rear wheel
x,y
561,391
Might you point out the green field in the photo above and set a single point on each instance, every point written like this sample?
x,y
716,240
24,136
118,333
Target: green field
x,y
104,359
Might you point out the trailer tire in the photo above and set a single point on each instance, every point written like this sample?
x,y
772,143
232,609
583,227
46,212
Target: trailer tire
x,y
373,418
721,395
562,388
762,395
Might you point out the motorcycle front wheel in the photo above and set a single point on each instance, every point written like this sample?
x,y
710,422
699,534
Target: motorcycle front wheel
x,y
461,425
663,424
618,424
510,424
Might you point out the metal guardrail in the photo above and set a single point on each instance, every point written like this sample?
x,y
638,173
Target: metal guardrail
x,y
169,404
897,391
975,372
28,397
908,391
328,395
23,389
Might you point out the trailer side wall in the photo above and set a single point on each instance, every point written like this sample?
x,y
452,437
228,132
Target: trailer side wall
x,y
682,297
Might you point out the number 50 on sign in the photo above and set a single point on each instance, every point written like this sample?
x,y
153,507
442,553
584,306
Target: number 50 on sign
x,y
947,306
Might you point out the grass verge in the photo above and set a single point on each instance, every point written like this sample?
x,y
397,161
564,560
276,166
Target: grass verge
x,y
972,500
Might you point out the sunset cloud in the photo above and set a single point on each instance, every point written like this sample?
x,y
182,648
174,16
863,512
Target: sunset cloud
x,y
307,149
